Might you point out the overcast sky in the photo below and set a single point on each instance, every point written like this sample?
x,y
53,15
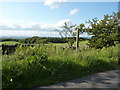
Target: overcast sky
x,y
42,18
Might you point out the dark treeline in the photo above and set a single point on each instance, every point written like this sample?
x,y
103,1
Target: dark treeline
x,y
8,39
38,40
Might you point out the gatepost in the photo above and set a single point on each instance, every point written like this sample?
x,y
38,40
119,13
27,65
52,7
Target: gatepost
x,y
77,38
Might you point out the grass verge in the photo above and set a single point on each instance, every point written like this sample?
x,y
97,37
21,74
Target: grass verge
x,y
38,66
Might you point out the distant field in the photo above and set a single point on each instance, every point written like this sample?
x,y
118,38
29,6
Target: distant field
x,y
9,42
81,44
59,44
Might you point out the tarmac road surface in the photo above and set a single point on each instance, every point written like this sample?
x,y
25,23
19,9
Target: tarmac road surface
x,y
108,79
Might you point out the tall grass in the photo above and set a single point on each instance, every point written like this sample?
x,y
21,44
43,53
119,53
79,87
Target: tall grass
x,y
38,66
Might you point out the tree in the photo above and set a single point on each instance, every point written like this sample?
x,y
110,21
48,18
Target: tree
x,y
42,41
105,31
66,31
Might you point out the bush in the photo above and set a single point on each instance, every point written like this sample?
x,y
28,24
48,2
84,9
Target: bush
x,y
20,67
105,31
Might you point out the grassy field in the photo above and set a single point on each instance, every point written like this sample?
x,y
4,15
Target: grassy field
x,y
38,66
81,44
9,42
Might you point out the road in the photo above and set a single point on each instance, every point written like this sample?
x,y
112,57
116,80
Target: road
x,y
108,79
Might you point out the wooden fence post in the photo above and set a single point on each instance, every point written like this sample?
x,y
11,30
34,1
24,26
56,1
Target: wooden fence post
x,y
77,40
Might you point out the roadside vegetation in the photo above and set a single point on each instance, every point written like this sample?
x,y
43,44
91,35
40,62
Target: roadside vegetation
x,y
38,66
47,63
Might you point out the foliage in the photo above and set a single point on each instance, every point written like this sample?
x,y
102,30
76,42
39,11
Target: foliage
x,y
37,66
19,68
66,31
81,28
105,32
31,40
46,64
56,40
8,39
70,41
38,40
42,41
